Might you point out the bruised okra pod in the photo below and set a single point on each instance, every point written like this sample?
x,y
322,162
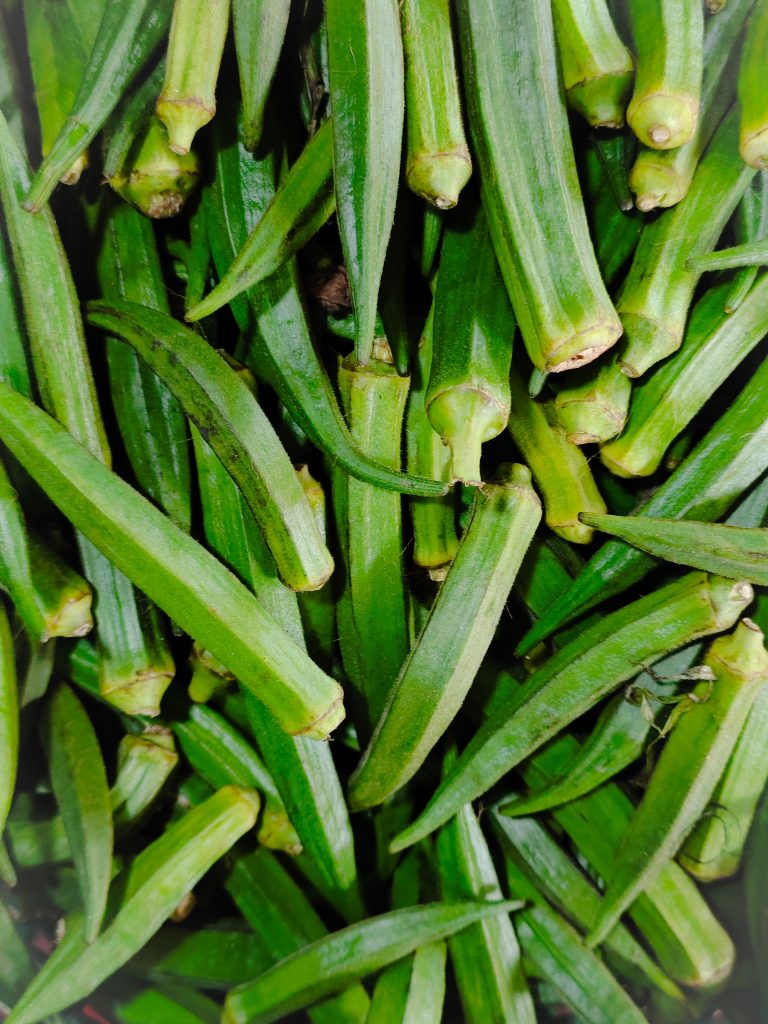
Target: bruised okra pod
x,y
440,669
753,127
592,406
597,67
467,399
576,678
259,27
559,468
438,164
535,212
691,763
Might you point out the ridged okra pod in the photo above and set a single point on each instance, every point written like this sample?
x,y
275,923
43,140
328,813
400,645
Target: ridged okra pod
x,y
753,126
365,61
691,763
559,468
438,164
597,67
9,720
467,399
592,405
576,678
750,225
441,667
655,297
530,190
259,28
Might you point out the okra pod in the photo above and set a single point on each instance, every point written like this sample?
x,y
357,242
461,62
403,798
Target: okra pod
x,y
468,398
438,164
64,597
559,468
195,46
753,126
615,231
16,967
128,35
597,67
14,369
534,210
216,609
750,254
440,669
259,29
431,238
9,720
576,678
173,1002
690,765
214,958
144,763
154,178
592,406
365,62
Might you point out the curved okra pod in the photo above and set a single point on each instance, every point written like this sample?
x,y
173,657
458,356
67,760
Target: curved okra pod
x,y
128,35
559,468
259,28
753,127
9,719
441,667
140,900
592,406
597,66
365,62
203,597
222,407
578,677
691,763
534,209
655,297
467,399
438,164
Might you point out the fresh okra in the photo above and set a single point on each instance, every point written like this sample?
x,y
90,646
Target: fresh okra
x,y
438,164
9,720
615,231
753,126
750,254
592,406
154,1006
431,237
692,761
259,29
153,178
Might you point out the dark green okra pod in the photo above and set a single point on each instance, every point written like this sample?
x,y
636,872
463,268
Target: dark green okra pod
x,y
260,27
9,720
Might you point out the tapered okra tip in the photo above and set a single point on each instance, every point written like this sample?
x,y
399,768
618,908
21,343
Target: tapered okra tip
x,y
663,120
331,719
440,177
465,417
754,149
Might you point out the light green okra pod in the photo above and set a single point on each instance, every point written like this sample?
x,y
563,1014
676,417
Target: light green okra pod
x,y
9,720
753,126
592,407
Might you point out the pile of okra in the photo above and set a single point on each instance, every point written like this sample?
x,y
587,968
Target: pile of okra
x,y
383,511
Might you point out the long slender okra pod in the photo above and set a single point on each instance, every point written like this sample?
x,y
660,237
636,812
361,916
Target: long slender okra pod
x,y
535,214
578,677
597,67
365,60
753,126
690,765
260,27
128,34
438,164
9,719
441,668
750,254
14,369
467,399
559,468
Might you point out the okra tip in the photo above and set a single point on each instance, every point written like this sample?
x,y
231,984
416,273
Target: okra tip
x,y
183,119
140,695
331,719
754,149
439,177
663,120
647,342
74,619
729,598
584,346
602,100
654,184
465,417
588,421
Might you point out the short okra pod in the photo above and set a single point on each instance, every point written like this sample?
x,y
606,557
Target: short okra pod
x,y
259,29
154,178
441,667
9,720
365,60
438,164
691,763
597,67
559,468
534,209
591,404
753,127
144,763
576,678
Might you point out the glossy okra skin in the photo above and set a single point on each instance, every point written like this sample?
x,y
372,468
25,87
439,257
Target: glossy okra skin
x,y
529,186
440,669
753,126
259,29
438,163
597,67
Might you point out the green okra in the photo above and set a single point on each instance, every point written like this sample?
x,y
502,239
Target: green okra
x,y
79,782
597,67
220,404
371,611
661,178
592,406
203,597
440,669
613,151
725,463
333,962
750,225
302,204
144,764
283,351
318,608
259,29
16,967
432,234
656,295
395,317
534,209
467,399
152,177
195,47
213,958
735,551
140,899
365,62
576,678
669,43
64,597
9,720
753,125
128,35
129,119
10,85
172,1002
438,164
750,254
615,231
559,468
690,765
714,848
14,369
